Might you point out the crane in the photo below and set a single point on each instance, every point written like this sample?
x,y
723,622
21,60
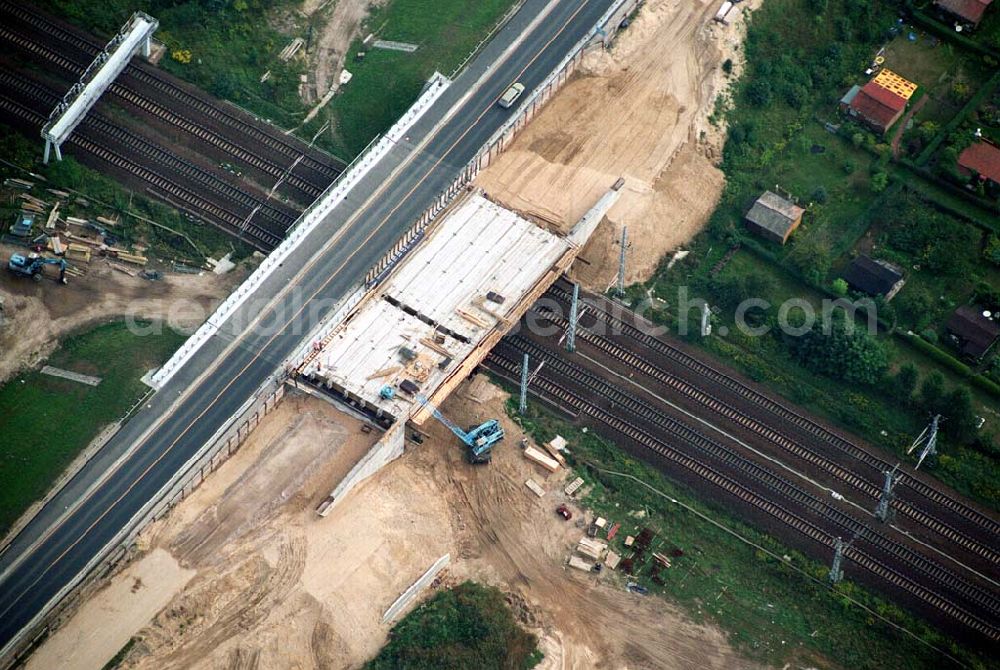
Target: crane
x,y
479,440
31,266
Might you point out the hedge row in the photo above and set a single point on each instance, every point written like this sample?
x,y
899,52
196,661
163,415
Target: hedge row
x,y
950,362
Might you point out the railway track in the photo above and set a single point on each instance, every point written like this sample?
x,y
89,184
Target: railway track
x,y
307,189
280,219
191,200
827,438
629,427
289,147
243,140
848,525
771,434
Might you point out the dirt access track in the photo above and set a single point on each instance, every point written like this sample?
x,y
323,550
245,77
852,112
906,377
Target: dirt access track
x,y
248,576
639,111
38,314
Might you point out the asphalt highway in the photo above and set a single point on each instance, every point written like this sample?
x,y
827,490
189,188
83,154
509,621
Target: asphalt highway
x,y
178,420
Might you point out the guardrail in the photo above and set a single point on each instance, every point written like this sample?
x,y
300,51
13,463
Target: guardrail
x,y
502,137
333,196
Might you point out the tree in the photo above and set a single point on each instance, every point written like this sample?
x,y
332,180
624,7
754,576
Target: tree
x,y
906,381
932,392
840,286
469,626
880,180
811,256
915,305
961,418
819,194
844,353
927,130
759,92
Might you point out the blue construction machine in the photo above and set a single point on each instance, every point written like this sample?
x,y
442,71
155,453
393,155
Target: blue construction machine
x,y
32,264
478,440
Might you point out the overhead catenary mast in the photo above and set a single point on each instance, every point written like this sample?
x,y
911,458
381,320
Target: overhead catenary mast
x,y
927,439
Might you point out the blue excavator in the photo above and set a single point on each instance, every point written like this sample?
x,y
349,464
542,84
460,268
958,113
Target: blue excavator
x,y
478,440
32,264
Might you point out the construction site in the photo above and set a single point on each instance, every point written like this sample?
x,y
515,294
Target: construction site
x,y
392,448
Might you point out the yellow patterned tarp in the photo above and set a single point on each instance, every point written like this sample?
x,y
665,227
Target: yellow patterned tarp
x,y
891,81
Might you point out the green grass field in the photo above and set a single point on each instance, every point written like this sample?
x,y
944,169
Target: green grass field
x,y
387,82
773,610
46,421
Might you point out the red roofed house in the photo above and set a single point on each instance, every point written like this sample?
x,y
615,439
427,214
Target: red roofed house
x,y
983,159
968,11
880,102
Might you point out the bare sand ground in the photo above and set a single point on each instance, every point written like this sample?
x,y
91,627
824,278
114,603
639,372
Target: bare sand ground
x,y
38,314
275,586
640,111
341,24
138,594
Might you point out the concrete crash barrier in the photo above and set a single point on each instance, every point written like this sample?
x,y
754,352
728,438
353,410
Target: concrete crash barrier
x,y
409,594
386,450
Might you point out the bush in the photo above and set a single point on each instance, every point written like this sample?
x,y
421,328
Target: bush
x,y
906,381
992,251
880,181
937,241
932,394
844,353
469,626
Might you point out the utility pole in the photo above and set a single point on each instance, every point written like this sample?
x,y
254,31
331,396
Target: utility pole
x,y
571,329
706,323
836,572
884,511
522,406
928,438
621,262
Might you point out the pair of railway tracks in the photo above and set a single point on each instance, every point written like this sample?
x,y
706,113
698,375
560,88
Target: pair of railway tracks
x,y
772,435
308,190
913,488
575,389
318,169
97,126
189,199
295,169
